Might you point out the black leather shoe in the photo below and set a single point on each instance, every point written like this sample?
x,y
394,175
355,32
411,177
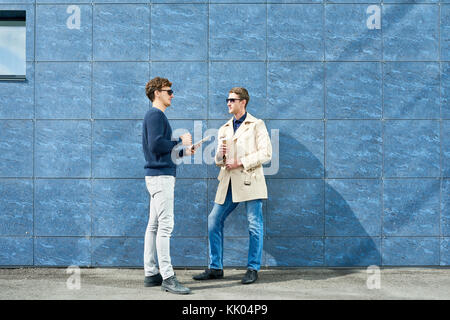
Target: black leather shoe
x,y
152,281
250,277
209,274
172,285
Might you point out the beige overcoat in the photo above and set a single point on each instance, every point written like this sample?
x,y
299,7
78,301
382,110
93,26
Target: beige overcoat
x,y
251,144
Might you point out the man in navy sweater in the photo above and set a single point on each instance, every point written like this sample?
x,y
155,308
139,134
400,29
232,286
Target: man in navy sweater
x,y
160,181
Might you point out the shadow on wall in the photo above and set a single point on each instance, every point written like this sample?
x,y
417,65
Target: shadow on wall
x,y
309,221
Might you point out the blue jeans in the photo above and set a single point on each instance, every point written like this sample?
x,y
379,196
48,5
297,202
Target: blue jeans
x,y
216,221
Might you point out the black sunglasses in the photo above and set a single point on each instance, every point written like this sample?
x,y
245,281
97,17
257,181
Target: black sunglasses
x,y
169,92
232,100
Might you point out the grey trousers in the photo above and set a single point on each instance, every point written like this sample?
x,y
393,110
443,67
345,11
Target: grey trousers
x,y
160,226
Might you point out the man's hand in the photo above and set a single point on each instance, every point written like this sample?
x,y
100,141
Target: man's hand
x,y
189,151
186,139
233,164
222,151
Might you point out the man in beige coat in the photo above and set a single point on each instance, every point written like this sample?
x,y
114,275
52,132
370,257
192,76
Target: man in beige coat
x,y
244,146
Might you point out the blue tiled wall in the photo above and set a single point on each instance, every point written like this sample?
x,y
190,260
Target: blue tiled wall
x,y
363,117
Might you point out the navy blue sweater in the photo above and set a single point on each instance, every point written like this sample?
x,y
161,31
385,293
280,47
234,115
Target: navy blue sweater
x,y
157,144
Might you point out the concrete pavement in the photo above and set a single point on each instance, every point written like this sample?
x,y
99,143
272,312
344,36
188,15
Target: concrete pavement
x,y
273,284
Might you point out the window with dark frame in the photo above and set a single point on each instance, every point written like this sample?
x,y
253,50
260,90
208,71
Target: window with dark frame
x,y
12,45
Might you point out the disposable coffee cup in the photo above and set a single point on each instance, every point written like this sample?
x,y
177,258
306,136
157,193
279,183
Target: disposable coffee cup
x,y
223,140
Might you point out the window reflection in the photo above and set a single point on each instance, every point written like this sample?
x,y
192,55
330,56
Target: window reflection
x,y
12,44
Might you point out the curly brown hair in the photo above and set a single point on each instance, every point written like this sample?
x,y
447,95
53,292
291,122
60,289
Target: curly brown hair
x,y
156,84
242,93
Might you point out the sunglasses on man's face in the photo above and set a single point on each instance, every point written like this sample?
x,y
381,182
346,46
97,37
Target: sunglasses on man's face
x,y
232,100
169,92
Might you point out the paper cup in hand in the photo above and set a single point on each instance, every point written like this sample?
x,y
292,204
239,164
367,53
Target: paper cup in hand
x,y
223,141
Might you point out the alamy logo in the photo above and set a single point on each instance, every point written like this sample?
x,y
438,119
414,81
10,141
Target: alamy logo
x,y
373,278
74,20
374,20
74,281
206,153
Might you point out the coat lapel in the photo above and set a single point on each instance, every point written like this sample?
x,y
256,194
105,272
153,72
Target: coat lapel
x,y
244,126
228,128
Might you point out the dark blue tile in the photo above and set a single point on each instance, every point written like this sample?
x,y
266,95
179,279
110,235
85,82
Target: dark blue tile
x,y
55,41
16,251
377,2
16,148
117,149
190,83
18,97
179,1
117,252
414,211
16,207
118,1
190,166
189,252
62,207
63,90
445,252
353,207
62,252
352,251
353,148
410,251
353,90
411,90
287,81
244,38
179,32
286,1
411,1
118,90
63,148
416,37
299,149
445,31
295,208
445,133
291,252
61,1
190,208
411,148
119,207
233,1
347,36
121,32
445,207
295,32
445,90
225,75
